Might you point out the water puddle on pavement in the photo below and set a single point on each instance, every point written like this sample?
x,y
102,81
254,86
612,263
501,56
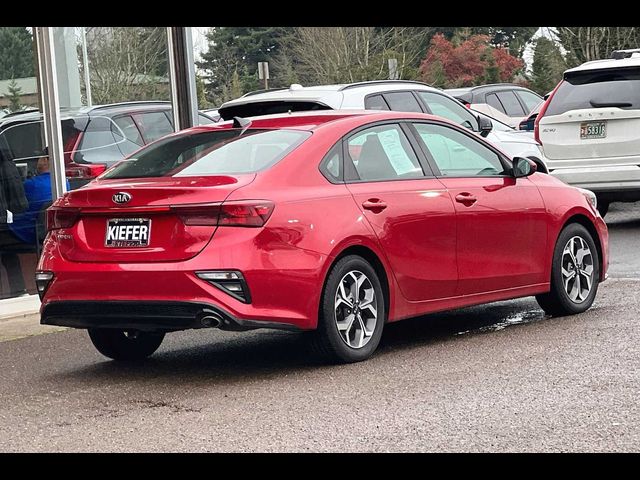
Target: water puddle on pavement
x,y
518,318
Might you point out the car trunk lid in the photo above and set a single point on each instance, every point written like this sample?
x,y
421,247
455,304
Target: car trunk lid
x,y
148,225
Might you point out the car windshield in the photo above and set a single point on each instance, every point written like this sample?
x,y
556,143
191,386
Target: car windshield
x,y
218,152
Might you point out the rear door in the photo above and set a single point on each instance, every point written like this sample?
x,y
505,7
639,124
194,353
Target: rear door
x,y
594,119
501,220
408,209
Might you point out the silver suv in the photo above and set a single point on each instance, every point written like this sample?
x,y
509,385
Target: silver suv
x,y
589,128
397,95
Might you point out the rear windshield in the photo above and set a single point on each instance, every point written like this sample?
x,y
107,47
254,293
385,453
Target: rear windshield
x,y
597,89
221,152
256,109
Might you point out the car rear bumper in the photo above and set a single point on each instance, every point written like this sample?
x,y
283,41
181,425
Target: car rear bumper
x,y
148,316
621,178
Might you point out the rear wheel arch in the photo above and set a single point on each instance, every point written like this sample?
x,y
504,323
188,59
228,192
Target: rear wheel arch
x,y
373,259
588,224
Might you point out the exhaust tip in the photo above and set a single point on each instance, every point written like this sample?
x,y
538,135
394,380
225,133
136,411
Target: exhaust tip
x,y
209,319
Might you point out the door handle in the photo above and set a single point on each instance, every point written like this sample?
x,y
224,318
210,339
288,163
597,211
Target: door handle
x,y
375,205
466,199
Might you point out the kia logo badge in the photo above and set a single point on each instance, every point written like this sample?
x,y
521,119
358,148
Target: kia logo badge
x,y
121,197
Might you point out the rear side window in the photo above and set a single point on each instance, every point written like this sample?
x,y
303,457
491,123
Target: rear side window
x,y
99,144
222,152
381,153
375,102
153,125
402,102
597,89
531,100
511,104
132,140
493,101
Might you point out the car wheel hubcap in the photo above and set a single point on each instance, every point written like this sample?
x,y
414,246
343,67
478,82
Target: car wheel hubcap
x,y
577,269
356,313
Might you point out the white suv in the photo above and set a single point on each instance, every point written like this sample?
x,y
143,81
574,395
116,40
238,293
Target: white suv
x,y
589,128
397,95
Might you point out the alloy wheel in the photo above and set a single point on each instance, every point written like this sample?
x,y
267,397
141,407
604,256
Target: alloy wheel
x,y
355,308
577,269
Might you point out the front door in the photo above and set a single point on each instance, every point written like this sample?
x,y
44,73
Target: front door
x,y
410,212
501,234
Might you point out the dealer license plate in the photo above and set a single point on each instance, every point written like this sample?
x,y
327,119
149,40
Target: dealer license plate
x,y
128,232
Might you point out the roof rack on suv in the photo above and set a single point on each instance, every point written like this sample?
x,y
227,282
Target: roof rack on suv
x,y
377,82
135,102
264,90
620,54
13,114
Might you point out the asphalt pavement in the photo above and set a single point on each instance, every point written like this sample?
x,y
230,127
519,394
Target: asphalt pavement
x,y
493,378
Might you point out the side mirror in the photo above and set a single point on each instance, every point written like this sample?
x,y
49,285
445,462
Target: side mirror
x,y
485,125
528,124
523,167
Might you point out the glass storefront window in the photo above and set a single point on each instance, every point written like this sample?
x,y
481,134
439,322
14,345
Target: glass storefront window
x,y
112,101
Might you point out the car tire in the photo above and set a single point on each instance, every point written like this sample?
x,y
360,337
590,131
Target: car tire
x,y
125,345
349,331
575,267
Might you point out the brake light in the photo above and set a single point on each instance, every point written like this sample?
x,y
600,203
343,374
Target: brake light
x,y
59,217
242,213
74,170
543,109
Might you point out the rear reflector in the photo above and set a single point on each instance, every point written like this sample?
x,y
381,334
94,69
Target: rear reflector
x,y
243,213
229,281
43,279
59,217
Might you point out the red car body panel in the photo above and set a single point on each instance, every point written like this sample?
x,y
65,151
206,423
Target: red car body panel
x,y
436,252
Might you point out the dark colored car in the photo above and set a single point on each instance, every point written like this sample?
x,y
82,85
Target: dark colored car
x,y
505,101
94,138
334,222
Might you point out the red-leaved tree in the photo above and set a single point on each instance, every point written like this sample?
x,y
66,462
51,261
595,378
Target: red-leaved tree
x,y
472,62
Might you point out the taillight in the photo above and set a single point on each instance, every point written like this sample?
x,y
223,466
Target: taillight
x,y
75,170
242,213
543,109
61,217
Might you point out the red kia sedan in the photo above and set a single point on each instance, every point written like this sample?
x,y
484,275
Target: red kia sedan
x,y
335,222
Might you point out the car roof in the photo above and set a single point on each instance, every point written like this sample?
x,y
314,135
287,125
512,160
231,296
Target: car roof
x,y
329,95
607,63
69,112
312,120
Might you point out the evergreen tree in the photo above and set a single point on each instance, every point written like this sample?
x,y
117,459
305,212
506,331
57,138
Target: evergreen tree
x,y
16,53
237,51
548,66
15,92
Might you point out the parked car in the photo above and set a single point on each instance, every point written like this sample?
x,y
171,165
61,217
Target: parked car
x,y
397,95
589,128
330,222
212,113
507,102
94,138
